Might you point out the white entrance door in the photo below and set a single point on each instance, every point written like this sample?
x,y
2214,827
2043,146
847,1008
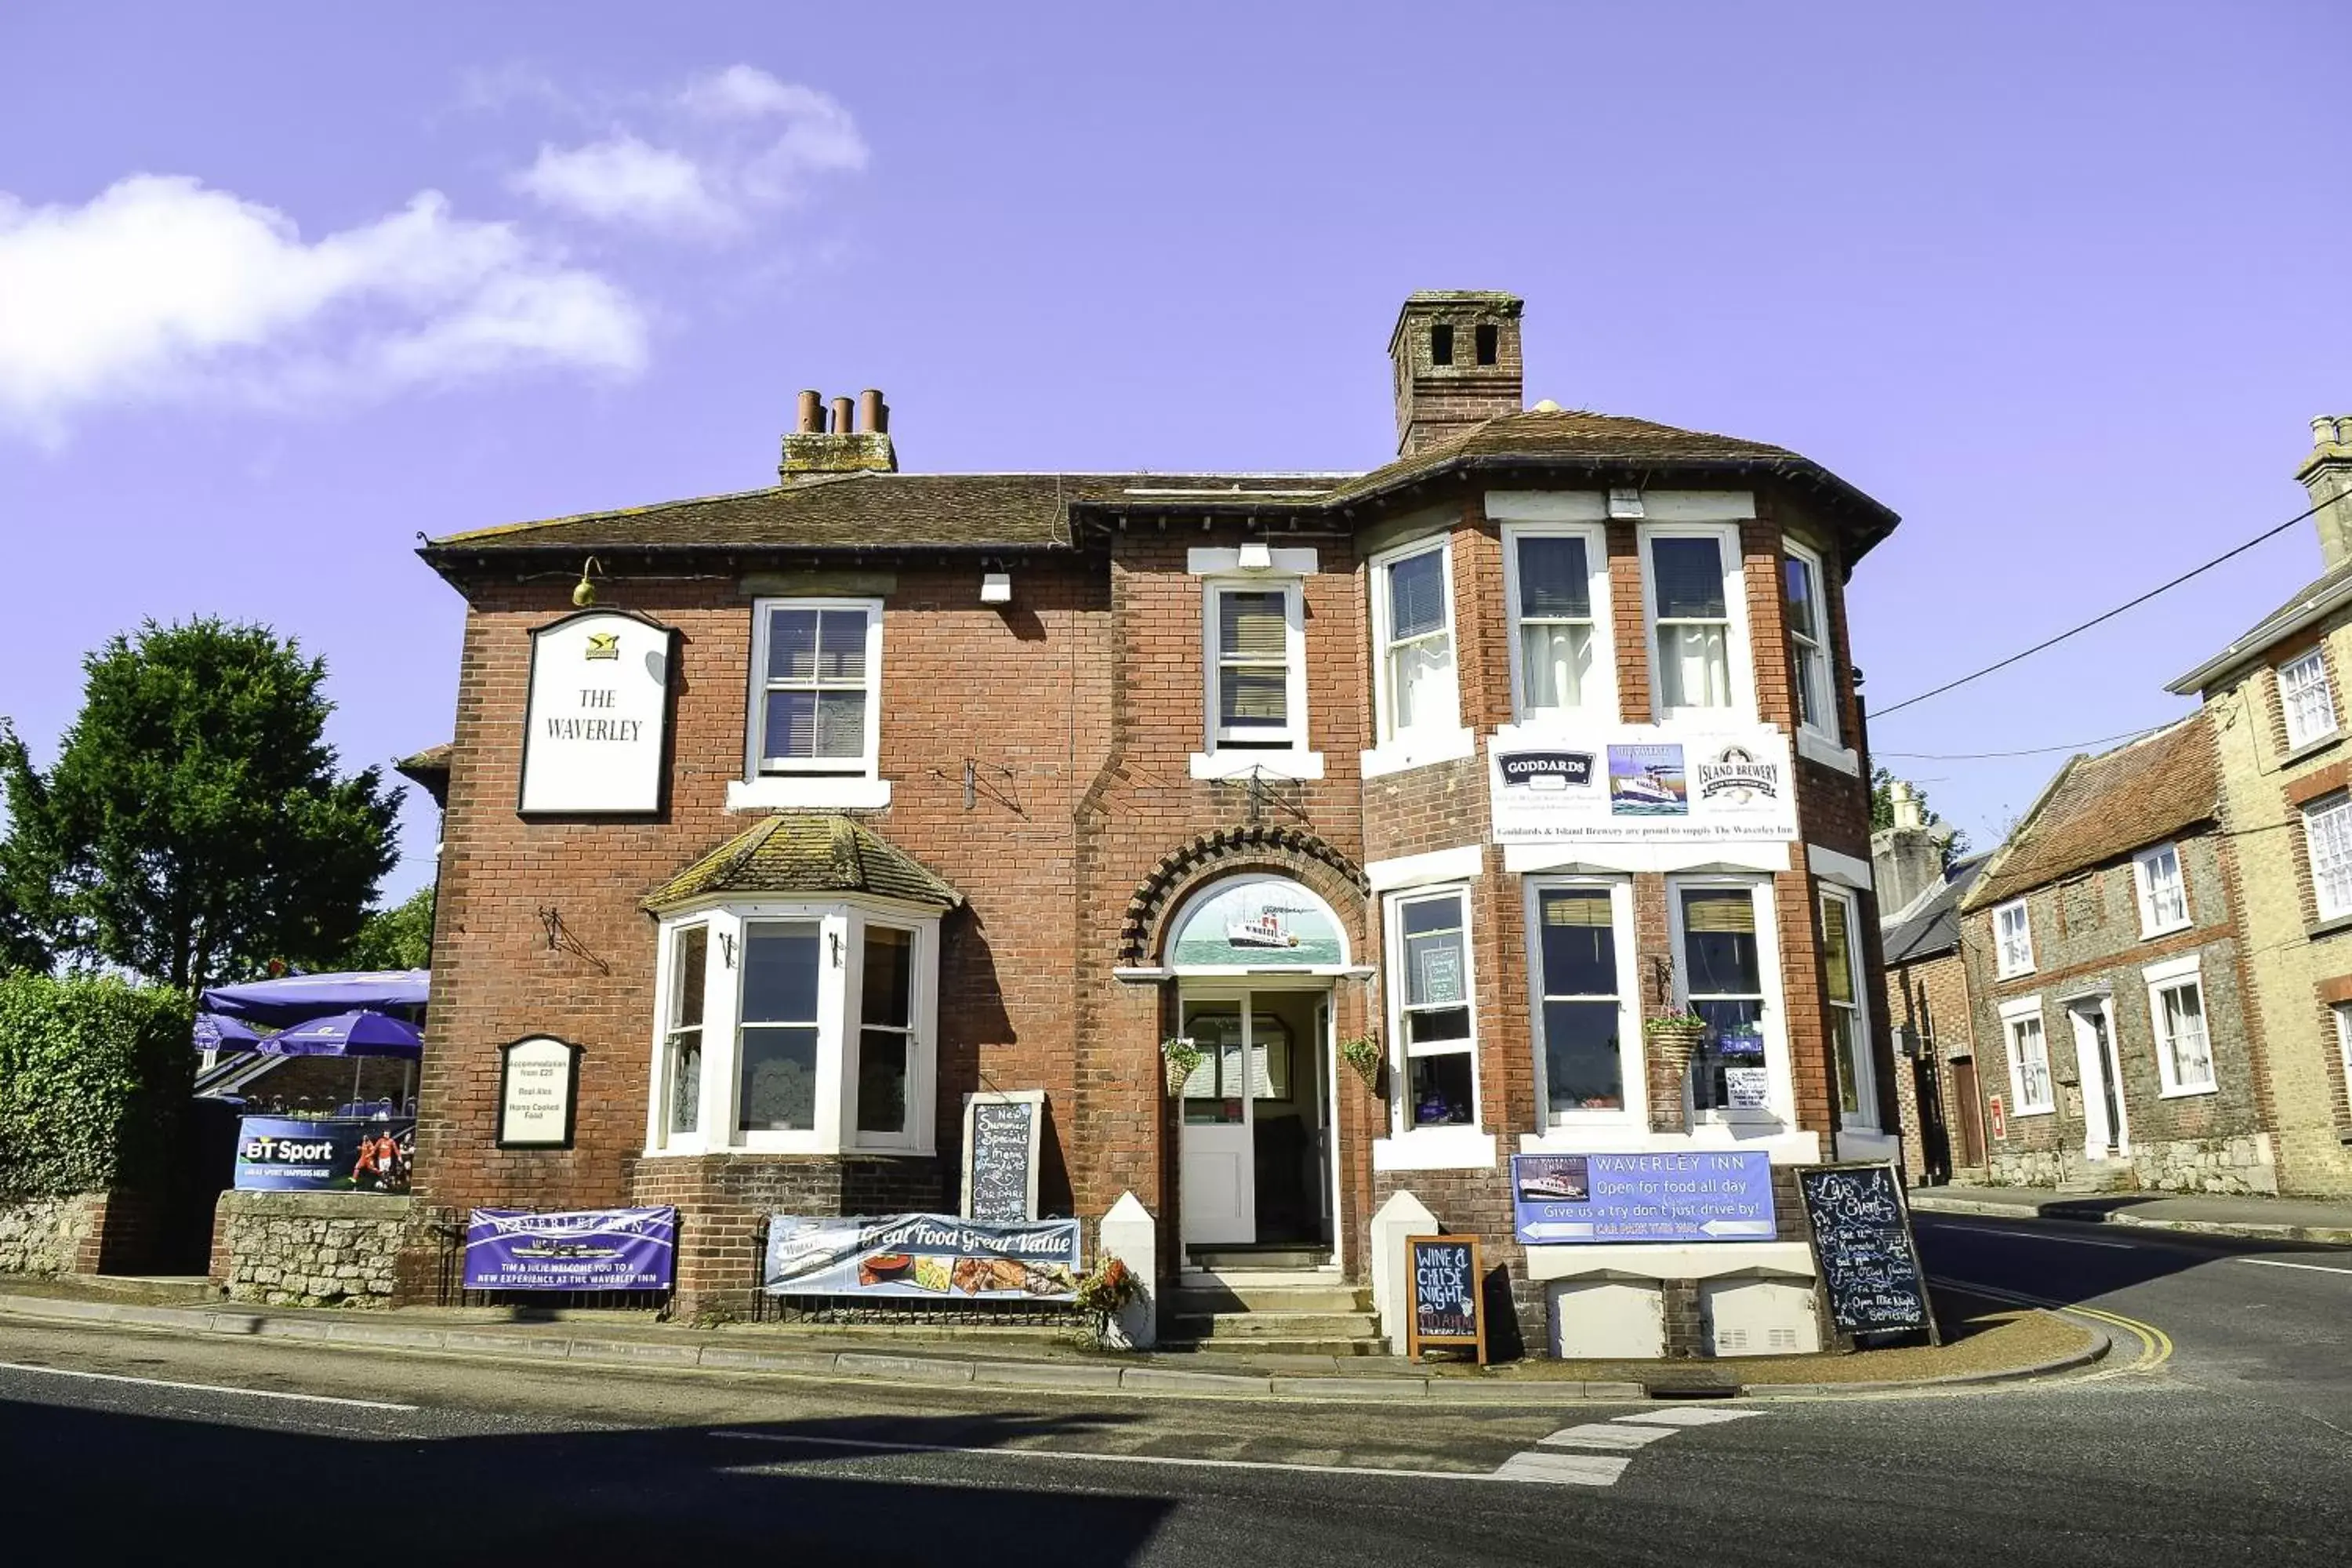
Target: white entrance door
x,y
1216,1155
2106,1132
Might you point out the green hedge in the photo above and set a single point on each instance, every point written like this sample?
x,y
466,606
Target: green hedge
x,y
95,1076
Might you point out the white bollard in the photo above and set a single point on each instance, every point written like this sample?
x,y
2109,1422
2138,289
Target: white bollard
x,y
1403,1215
1129,1234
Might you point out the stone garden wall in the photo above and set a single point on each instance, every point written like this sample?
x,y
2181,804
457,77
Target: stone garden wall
x,y
48,1235
310,1249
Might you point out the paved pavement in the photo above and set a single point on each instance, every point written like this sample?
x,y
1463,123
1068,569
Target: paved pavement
x,y
2257,1220
2220,1432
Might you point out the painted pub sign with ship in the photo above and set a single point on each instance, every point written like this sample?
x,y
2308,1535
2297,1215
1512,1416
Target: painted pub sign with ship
x,y
1639,783
1258,923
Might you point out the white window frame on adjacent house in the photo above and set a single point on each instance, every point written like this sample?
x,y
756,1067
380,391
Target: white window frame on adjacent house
x,y
1740,691
2327,847
684,987
2341,1012
1857,1069
2163,891
2179,974
2013,941
1597,698
1266,741
841,927
1813,692
1432,737
2307,700
1401,1125
1633,1092
811,783
2014,1017
1781,1105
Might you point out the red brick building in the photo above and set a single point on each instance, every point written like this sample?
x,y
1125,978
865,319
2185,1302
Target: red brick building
x,y
937,783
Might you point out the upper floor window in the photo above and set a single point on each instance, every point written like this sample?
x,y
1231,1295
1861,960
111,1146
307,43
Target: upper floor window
x,y
816,683
2305,699
1257,666
2014,940
796,1026
2163,895
1429,953
2327,836
1585,1045
1811,687
1412,629
1849,1023
1691,579
1558,581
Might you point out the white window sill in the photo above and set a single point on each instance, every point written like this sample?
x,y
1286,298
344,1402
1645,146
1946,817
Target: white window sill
x,y
782,792
1819,748
2019,1112
1241,764
2012,973
797,1152
2147,935
1418,750
1435,1149
2189,1093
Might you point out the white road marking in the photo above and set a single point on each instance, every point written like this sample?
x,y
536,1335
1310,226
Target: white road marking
x,y
202,1387
1694,1417
2282,1263
2034,1235
1083,1458
1605,1435
1558,1470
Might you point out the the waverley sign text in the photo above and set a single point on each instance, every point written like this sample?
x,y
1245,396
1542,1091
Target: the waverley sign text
x,y
1640,783
595,734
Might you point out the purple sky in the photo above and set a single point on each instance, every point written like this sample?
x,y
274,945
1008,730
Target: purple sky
x,y
2064,285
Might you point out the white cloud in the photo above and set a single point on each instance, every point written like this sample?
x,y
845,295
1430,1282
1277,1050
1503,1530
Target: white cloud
x,y
735,143
160,289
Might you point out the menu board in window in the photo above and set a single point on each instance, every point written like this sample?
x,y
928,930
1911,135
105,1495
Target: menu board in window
x,y
1002,1132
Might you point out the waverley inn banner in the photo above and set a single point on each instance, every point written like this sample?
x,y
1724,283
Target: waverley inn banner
x,y
1640,783
925,1254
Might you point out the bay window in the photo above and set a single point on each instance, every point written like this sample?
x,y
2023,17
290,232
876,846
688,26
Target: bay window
x,y
1804,608
1849,1021
1587,1043
1428,955
797,1027
2327,838
1413,627
2163,896
1727,970
1691,578
1557,579
2306,700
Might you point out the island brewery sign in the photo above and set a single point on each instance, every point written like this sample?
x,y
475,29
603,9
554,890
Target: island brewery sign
x,y
1641,783
596,725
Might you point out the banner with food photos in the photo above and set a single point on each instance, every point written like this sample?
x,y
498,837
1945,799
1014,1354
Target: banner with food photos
x,y
939,1256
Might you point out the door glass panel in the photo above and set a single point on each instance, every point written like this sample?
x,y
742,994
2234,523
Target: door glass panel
x,y
1212,1095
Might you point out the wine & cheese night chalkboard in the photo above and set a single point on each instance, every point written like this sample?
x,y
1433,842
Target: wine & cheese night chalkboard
x,y
1444,1275
1861,1243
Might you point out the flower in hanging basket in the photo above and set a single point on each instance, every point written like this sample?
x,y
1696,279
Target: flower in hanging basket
x,y
1363,1053
1676,1023
1110,1287
1182,1059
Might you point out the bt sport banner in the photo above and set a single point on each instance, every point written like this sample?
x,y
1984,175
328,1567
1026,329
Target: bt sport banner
x,y
922,1254
292,1154
584,1249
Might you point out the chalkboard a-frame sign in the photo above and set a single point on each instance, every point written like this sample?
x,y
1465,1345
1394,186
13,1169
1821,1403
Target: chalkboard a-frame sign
x,y
1861,1227
1001,1131
1447,1309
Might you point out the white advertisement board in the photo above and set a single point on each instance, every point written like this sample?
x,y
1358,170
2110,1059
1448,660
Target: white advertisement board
x,y
596,727
1640,783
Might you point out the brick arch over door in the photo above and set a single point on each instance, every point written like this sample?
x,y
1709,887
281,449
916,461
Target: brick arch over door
x,y
1283,851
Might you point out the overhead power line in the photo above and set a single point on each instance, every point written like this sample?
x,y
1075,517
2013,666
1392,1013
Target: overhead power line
x,y
2027,752
2098,619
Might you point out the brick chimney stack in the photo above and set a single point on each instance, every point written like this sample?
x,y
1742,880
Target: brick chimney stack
x,y
1457,364
1907,859
822,444
2327,474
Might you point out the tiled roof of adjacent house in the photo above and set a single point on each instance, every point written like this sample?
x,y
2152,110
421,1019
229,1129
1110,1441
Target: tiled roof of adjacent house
x,y
1931,924
891,510
2327,591
807,852
2101,808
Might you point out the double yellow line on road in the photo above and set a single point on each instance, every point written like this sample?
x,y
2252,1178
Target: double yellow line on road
x,y
2156,1345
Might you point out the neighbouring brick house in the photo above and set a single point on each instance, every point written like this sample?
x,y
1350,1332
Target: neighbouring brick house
x,y
1936,1097
945,783
2274,703
2105,963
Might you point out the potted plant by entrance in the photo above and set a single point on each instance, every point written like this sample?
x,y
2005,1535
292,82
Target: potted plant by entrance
x,y
1363,1053
1671,1038
1101,1295
1179,1058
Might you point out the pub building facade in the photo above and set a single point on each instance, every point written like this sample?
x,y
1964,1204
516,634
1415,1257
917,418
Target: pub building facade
x,y
1404,796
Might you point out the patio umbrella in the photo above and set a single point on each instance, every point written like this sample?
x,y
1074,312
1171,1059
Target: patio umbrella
x,y
299,997
360,1034
215,1033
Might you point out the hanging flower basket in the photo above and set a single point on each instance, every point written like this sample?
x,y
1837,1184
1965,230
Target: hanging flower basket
x,y
1363,1053
1670,1040
1179,1058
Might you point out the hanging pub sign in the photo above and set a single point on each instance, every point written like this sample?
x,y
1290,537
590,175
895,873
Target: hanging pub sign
x,y
1447,1306
1640,783
539,1082
596,722
1001,1135
582,1249
1249,924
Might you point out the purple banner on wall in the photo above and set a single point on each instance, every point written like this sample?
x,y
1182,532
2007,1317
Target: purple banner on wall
x,y
582,1249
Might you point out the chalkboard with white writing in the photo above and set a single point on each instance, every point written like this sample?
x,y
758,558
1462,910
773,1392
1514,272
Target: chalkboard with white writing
x,y
1861,1241
1444,1275
1000,1163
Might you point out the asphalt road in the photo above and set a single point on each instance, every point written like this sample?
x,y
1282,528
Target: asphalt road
x,y
2219,1432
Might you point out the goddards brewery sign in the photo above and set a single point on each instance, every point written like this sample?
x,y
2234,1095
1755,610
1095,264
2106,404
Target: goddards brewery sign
x,y
1640,783
596,726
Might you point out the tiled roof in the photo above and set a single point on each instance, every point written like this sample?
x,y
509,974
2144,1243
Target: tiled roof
x,y
807,852
2102,807
2312,596
886,512
1931,922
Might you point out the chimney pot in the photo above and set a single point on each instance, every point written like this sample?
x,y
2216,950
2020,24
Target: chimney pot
x,y
810,418
873,417
842,424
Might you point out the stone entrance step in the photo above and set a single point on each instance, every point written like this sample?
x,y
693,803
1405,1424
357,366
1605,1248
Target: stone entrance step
x,y
1277,1326
2100,1176
1257,1256
1203,1295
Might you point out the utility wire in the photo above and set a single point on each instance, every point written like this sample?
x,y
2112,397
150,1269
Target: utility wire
x,y
2028,751
2095,620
